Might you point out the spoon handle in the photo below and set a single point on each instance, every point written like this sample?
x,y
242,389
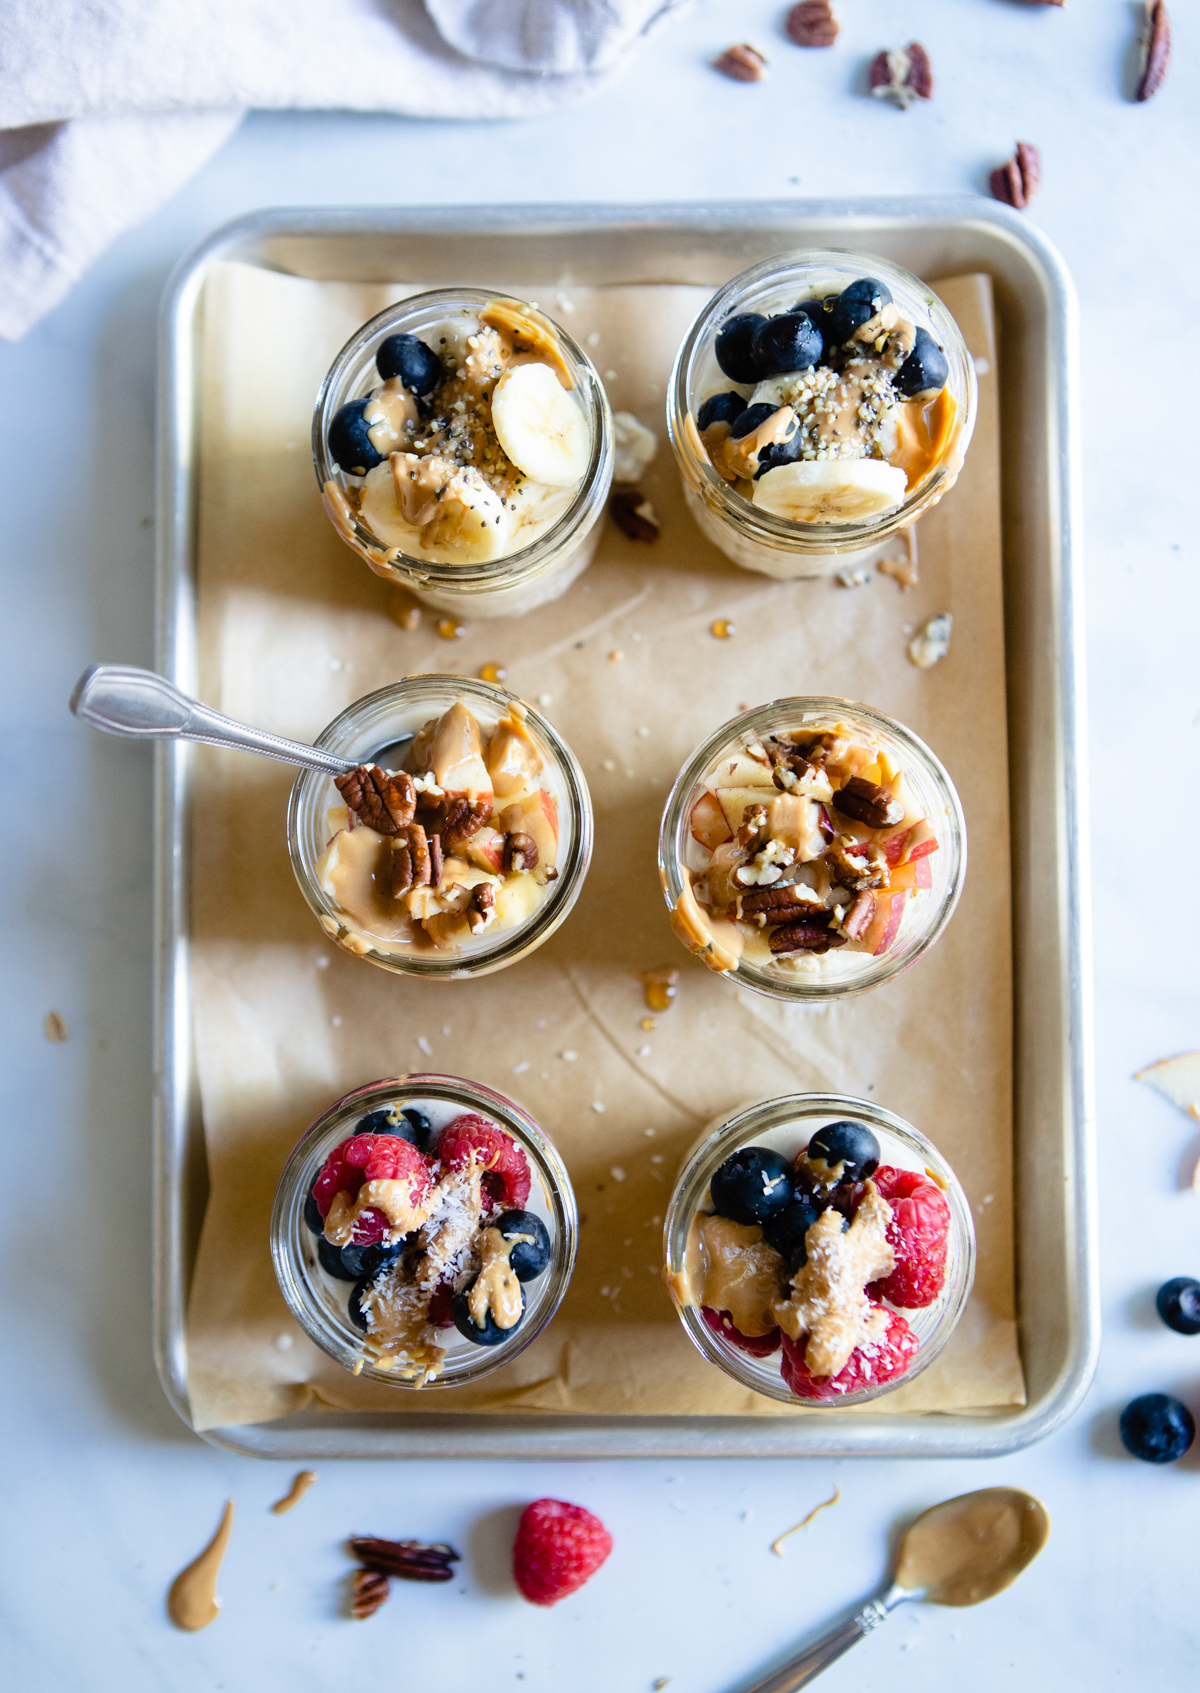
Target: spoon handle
x,y
798,1672
123,700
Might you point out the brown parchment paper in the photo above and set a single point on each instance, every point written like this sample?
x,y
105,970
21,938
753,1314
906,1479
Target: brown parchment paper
x,y
293,627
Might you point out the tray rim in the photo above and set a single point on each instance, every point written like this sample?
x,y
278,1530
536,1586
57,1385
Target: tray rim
x,y
462,1434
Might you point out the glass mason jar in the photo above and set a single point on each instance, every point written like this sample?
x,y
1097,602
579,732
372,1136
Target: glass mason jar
x,y
320,1301
931,884
787,1124
562,546
779,546
374,725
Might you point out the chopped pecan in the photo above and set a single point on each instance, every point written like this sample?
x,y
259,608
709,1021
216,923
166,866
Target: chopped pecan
x,y
381,801
435,861
783,901
902,75
634,515
743,63
369,1588
812,24
482,907
855,865
868,803
410,1560
402,869
520,851
1016,182
1156,49
857,920
809,935
818,746
754,821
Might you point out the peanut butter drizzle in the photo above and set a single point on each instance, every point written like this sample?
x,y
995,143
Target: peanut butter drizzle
x,y
970,1548
923,433
496,1288
742,1275
530,331
304,1479
192,1600
828,1299
659,988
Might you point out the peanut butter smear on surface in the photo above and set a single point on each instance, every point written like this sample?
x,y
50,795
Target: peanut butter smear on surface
x,y
304,1479
970,1548
192,1600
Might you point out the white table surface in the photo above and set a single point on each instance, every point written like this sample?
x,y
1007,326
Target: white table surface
x,y
105,1493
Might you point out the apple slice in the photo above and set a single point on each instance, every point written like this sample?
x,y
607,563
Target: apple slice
x,y
917,873
885,925
486,849
797,823
517,898
709,824
742,770
513,761
535,815
456,754
1177,1079
735,802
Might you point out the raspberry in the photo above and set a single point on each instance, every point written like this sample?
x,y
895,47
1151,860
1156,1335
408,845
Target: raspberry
x,y
337,1176
506,1180
440,1308
757,1345
868,1365
369,1158
369,1228
917,1235
558,1547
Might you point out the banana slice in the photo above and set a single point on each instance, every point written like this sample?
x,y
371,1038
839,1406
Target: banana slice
x,y
540,426
831,490
533,507
471,525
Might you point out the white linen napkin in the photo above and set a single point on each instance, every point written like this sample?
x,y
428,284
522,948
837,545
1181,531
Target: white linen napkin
x,y
108,106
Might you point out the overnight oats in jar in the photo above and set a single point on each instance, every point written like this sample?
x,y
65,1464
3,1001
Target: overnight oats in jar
x,y
424,1231
818,1249
459,837
463,445
812,848
820,402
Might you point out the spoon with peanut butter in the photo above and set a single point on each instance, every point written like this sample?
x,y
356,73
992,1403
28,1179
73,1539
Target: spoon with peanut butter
x,y
123,700
958,1553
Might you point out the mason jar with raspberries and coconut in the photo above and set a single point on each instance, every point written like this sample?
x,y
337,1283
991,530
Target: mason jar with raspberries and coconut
x,y
463,446
820,402
457,842
812,848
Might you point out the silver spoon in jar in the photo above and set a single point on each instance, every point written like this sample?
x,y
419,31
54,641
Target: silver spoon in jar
x,y
123,700
958,1553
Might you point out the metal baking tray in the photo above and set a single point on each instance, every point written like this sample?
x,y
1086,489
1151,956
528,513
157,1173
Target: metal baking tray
x,y
536,247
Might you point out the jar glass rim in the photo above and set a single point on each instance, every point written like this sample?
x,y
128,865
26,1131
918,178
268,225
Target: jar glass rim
x,y
526,563
785,534
794,712
342,735
763,1117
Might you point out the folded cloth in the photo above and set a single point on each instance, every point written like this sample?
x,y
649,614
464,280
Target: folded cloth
x,y
108,106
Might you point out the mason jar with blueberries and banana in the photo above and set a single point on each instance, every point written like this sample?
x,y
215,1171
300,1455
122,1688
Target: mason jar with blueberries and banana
x,y
820,402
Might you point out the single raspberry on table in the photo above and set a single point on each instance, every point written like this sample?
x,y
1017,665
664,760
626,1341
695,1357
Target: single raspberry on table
x,y
883,1360
757,1345
506,1178
558,1548
917,1234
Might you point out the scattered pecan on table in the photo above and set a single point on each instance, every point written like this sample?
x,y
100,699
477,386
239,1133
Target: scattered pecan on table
x,y
368,1591
812,24
1016,182
743,63
1156,49
902,75
409,1560
634,515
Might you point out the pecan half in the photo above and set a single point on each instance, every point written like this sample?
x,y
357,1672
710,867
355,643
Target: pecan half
x,y
435,861
743,63
856,866
411,1560
520,851
868,803
784,901
369,1588
455,819
811,935
902,75
411,860
857,920
1015,183
380,801
1156,49
482,907
812,24
634,515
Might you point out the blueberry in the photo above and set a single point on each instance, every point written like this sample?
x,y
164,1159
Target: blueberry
x,y
779,452
377,1257
785,1231
377,1123
354,1309
528,1258
1157,1428
313,1217
720,408
752,1184
855,306
417,365
852,1145
1178,1304
489,1334
733,346
749,420
349,442
420,1129
924,372
344,1262
789,342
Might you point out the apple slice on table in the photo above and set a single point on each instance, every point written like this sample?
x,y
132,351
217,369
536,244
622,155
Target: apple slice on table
x,y
535,815
885,925
708,822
